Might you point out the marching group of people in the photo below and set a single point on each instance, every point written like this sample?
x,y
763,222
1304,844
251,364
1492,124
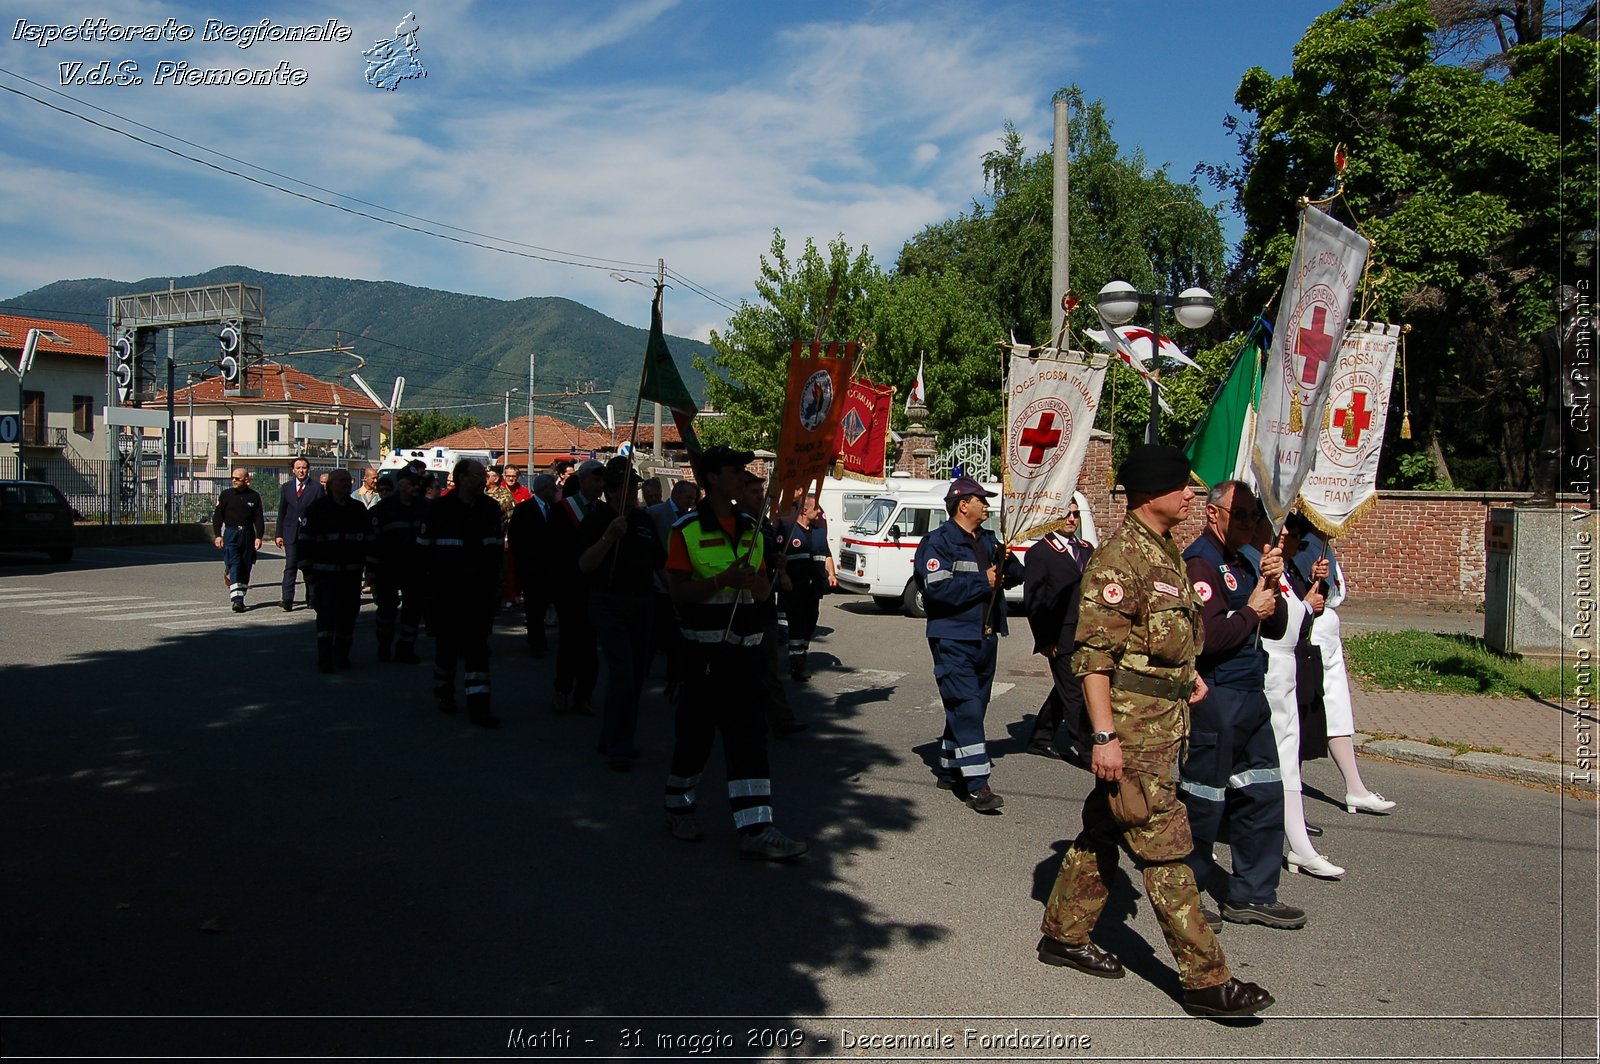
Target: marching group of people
x,y
1191,681
1197,679
626,573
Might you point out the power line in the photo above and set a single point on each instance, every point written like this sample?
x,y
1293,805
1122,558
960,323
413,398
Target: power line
x,y
307,196
566,258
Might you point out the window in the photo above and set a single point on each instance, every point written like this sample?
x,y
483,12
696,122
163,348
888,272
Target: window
x,y
874,517
366,439
220,432
268,434
180,436
83,415
32,417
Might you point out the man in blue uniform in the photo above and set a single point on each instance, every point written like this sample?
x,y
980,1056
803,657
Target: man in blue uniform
x,y
961,569
1231,772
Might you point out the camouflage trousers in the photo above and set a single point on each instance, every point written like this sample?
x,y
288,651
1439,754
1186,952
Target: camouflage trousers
x,y
1158,847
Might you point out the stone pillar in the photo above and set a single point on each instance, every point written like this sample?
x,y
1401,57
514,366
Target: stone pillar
x,y
917,448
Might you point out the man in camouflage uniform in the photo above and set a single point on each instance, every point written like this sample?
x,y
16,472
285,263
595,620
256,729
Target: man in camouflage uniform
x,y
1139,631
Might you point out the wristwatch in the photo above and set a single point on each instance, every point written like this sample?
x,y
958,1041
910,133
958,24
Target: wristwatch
x,y
1100,738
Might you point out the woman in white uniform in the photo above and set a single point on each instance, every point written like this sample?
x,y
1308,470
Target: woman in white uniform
x,y
1281,694
1316,562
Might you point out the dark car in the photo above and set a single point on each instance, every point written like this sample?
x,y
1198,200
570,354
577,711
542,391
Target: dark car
x,y
35,516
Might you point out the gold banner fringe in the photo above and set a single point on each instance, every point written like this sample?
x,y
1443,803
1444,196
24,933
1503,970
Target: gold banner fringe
x,y
1329,528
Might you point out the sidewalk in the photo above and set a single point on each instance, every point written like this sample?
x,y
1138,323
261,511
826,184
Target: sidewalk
x,y
1529,734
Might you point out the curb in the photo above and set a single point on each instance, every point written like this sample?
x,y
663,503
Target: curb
x,y
1495,766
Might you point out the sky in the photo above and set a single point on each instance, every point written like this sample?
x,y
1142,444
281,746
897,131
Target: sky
x,y
563,145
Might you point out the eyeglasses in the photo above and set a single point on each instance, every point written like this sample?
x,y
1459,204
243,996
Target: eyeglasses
x,y
238,478
1072,513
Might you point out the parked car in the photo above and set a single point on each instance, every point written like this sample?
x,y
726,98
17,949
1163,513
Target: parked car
x,y
35,517
875,555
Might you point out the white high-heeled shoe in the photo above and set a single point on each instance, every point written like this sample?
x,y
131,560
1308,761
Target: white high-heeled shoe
x,y
1318,866
1370,803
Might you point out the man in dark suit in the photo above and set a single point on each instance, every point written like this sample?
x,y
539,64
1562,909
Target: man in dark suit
x,y
528,539
298,495
1051,587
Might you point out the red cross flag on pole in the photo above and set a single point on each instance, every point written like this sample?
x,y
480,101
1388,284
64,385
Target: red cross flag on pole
x,y
1343,482
1327,263
1050,408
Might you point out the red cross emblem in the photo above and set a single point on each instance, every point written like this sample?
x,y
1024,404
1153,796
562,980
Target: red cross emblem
x,y
1039,438
1315,345
1353,419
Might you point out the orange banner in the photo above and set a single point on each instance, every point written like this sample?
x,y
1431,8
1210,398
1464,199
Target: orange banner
x,y
813,405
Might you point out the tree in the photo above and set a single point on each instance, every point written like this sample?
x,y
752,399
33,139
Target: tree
x,y
747,374
1129,221
414,428
1477,193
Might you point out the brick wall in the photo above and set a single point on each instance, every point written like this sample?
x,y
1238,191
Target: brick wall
x,y
1415,546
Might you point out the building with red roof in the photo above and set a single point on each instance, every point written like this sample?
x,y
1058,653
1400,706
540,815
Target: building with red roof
x,y
279,414
63,393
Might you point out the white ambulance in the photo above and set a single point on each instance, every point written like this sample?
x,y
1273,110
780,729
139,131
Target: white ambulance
x,y
437,459
875,555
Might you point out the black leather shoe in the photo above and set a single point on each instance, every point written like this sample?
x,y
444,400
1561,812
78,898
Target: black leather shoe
x,y
1233,998
1086,957
1267,913
1314,831
1043,749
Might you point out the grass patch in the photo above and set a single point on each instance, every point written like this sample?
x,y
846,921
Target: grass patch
x,y
1452,664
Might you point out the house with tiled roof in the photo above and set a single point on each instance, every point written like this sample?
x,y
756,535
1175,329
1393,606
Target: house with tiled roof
x,y
279,414
63,392
554,438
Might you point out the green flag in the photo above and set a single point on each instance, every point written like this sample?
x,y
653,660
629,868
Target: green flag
x,y
662,384
1221,446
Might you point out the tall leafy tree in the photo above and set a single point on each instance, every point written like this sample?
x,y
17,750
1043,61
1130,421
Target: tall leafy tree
x,y
1476,184
1129,220
746,375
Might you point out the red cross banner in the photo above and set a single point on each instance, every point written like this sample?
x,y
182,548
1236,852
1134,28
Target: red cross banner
x,y
864,430
1050,408
813,405
1343,482
1323,274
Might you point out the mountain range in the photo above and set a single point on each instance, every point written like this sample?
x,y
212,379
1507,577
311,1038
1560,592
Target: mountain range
x,y
459,353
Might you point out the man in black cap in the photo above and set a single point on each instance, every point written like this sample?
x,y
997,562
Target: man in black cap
x,y
1139,630
1231,774
715,576
961,568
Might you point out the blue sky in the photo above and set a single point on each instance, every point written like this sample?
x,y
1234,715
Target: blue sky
x,y
606,134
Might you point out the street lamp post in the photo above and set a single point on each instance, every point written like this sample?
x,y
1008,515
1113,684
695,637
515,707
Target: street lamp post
x,y
30,345
1119,302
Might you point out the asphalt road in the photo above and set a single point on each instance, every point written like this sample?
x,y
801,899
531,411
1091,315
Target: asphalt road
x,y
207,848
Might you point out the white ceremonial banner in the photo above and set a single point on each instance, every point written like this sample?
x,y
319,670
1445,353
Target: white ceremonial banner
x,y
1343,482
1050,408
1327,264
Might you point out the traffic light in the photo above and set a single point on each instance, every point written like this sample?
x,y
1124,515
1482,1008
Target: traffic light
x,y
228,341
122,367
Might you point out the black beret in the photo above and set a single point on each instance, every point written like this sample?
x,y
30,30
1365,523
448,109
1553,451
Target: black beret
x,y
1153,469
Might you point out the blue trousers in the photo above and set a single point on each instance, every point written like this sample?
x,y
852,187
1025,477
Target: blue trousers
x,y
964,671
1231,779
239,557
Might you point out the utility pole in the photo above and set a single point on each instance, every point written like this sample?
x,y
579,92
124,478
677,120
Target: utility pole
x,y
655,443
530,416
1060,245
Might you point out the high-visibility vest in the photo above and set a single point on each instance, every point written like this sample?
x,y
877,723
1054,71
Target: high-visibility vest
x,y
711,552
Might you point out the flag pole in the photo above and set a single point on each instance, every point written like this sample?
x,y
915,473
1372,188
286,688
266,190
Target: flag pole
x,y
638,405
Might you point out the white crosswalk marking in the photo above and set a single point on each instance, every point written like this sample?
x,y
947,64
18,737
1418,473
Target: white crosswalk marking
x,y
118,602
18,601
